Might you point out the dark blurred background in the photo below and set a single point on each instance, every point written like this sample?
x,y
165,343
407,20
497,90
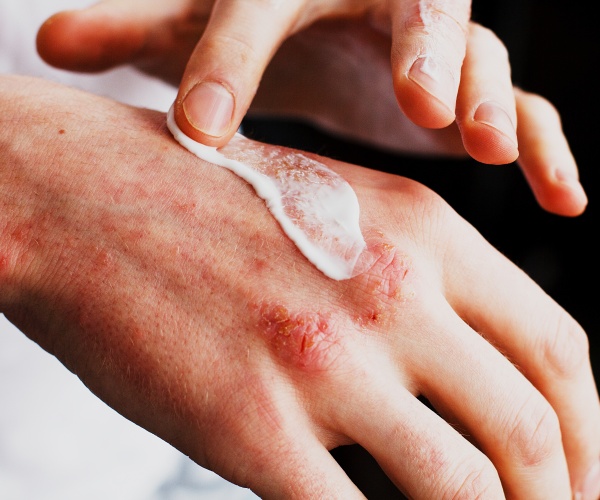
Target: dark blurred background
x,y
553,51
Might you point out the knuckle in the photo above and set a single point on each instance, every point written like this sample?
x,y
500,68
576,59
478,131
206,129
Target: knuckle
x,y
434,14
283,12
483,36
241,51
539,106
534,434
565,350
472,479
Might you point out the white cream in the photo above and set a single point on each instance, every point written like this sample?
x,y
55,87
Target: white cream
x,y
316,207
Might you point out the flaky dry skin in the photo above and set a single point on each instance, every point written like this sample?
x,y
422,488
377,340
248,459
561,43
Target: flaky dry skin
x,y
166,286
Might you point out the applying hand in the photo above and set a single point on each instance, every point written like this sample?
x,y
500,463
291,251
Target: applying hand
x,y
303,81
235,45
336,73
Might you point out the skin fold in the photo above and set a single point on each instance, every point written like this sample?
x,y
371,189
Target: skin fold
x,y
164,283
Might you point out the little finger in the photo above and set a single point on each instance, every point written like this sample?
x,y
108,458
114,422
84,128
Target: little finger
x,y
546,159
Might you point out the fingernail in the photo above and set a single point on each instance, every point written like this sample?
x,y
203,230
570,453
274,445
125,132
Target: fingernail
x,y
568,178
493,115
591,485
209,108
434,79
572,182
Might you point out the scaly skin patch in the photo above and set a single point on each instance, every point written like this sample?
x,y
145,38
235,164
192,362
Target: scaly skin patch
x,y
311,340
383,283
306,340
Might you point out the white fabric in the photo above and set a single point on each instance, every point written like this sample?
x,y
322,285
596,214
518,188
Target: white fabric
x,y
57,440
19,22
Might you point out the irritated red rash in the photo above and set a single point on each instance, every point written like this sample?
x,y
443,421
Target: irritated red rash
x,y
304,340
383,282
184,209
311,339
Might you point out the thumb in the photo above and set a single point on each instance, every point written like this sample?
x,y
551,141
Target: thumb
x,y
224,71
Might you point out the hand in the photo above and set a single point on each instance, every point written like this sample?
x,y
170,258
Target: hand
x,y
163,282
303,81
232,48
304,77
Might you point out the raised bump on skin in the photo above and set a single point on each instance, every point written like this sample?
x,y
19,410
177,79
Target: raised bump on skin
x,y
316,208
307,340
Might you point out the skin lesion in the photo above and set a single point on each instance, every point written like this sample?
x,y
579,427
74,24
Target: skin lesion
x,y
308,340
311,339
384,281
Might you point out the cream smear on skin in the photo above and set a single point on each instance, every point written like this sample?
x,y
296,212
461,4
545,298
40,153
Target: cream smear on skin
x,y
316,208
